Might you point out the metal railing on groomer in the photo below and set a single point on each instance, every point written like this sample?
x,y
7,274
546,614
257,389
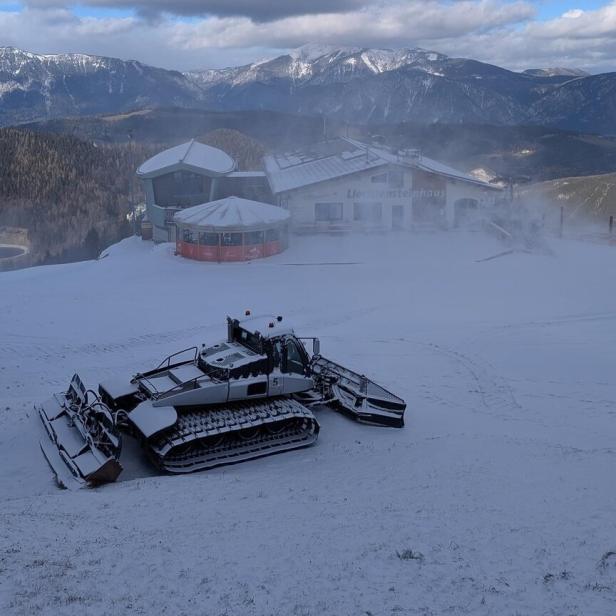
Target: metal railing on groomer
x,y
166,363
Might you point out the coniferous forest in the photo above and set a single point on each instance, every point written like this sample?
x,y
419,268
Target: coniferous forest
x,y
72,196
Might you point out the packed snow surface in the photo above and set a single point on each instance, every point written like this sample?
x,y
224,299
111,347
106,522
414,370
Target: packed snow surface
x,y
496,498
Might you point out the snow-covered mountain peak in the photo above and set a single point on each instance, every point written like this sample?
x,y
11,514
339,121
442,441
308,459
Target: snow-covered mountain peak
x,y
382,60
375,60
313,51
12,58
323,64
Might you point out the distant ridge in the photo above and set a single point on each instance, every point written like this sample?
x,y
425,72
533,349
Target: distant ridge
x,y
556,72
350,84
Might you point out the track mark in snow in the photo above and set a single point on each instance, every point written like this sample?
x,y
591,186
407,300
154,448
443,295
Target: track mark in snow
x,y
494,391
565,320
324,263
500,254
47,348
342,317
53,348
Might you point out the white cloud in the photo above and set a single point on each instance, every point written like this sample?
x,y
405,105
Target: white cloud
x,y
393,24
498,31
573,13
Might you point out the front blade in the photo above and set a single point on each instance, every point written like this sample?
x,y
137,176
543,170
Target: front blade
x,y
80,441
65,473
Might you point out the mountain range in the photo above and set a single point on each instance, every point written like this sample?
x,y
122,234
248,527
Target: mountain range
x,y
356,85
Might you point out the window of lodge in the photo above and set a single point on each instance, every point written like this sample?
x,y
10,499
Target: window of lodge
x,y
208,239
188,236
396,178
381,178
272,235
231,239
253,238
368,212
327,212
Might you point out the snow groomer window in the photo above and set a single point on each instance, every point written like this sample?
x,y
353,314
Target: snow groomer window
x,y
188,236
326,212
294,359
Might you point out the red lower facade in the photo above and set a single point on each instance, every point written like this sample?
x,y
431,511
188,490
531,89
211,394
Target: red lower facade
x,y
200,252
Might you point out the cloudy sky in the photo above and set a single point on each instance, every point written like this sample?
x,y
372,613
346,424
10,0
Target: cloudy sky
x,y
188,34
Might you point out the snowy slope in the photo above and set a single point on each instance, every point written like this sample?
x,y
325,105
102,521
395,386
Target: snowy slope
x,y
502,479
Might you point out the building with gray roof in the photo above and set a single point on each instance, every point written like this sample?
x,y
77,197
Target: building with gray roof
x,y
336,185
345,184
190,174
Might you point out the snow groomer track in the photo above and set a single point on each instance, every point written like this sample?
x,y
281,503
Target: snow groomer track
x,y
234,433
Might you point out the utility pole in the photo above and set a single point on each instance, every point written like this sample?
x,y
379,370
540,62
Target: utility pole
x,y
134,217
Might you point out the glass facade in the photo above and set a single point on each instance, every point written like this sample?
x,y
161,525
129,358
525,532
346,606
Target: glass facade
x,y
231,246
181,189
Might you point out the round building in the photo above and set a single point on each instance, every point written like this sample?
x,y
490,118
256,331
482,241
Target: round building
x,y
231,229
